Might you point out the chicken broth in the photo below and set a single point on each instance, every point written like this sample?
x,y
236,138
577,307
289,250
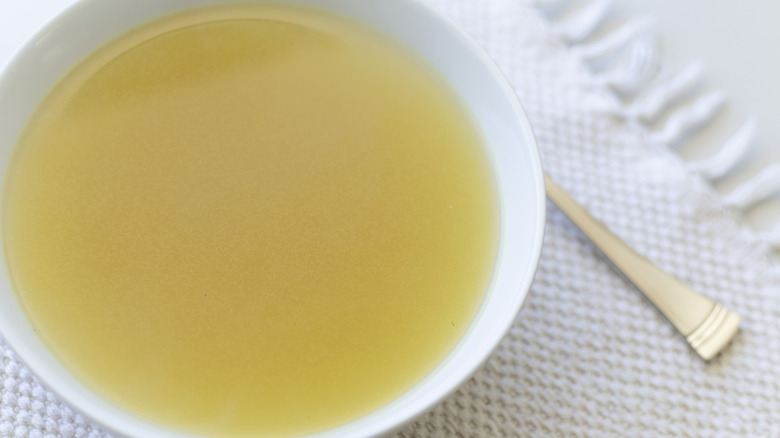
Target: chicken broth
x,y
251,221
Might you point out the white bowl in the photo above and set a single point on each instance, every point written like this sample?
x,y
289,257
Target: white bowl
x,y
88,24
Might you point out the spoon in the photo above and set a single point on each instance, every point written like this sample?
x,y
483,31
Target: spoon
x,y
707,326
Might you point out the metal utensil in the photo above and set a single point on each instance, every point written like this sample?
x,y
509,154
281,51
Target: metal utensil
x,y
706,325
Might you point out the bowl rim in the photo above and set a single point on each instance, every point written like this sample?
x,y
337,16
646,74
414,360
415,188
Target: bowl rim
x,y
28,357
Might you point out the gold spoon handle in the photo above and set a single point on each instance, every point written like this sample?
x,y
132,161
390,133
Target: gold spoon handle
x,y
707,326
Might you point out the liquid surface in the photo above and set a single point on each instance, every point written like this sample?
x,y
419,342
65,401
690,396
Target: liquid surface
x,y
269,225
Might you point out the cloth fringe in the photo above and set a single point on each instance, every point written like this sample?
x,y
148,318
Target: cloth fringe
x,y
665,93
720,164
629,66
584,22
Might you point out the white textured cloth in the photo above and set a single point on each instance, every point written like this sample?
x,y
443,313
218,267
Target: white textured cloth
x,y
587,356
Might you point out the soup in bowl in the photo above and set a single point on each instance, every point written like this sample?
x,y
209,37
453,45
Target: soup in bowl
x,y
274,218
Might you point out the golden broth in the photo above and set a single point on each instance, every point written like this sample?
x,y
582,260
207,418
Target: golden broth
x,y
251,220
